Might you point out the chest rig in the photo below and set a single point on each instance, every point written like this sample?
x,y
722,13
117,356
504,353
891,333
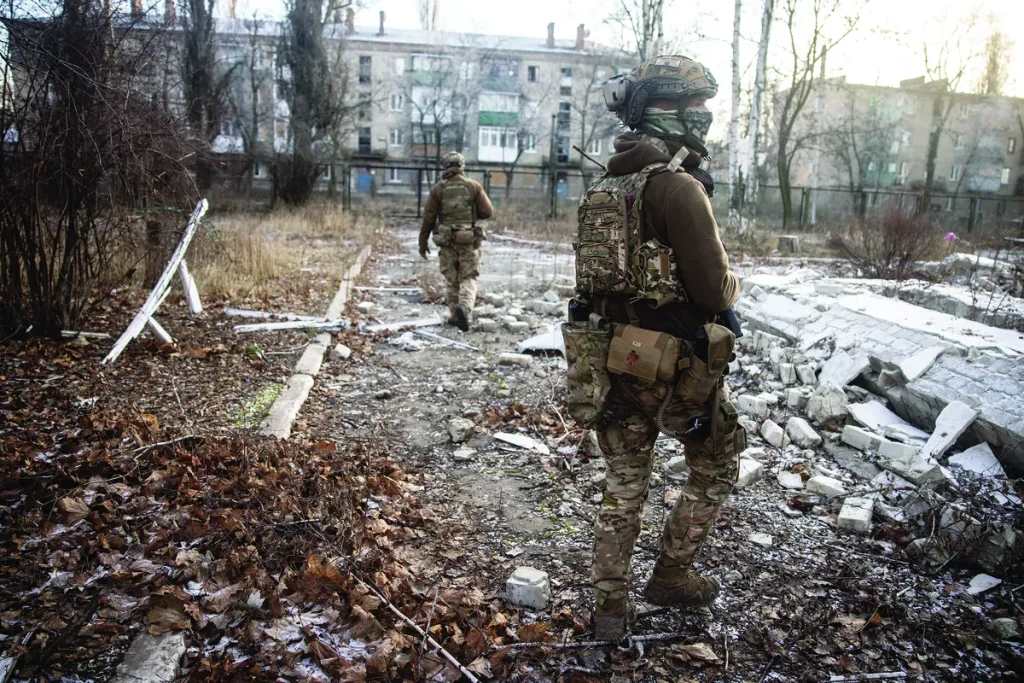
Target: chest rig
x,y
611,258
456,203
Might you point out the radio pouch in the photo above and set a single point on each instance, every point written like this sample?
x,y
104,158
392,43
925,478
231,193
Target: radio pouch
x,y
703,369
587,381
645,354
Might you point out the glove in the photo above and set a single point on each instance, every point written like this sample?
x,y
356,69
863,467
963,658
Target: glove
x,y
424,250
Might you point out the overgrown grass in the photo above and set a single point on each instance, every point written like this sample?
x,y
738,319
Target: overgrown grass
x,y
249,415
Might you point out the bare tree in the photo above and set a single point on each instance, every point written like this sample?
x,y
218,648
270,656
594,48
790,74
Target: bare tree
x,y
810,38
251,98
643,21
749,174
444,88
428,14
998,56
595,123
529,127
734,123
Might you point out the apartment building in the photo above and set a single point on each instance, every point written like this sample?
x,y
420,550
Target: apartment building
x,y
510,104
865,137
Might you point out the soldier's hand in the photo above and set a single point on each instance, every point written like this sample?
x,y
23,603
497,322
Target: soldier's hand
x,y
424,250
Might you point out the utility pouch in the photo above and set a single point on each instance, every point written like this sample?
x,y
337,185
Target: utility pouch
x,y
479,234
702,370
443,235
586,352
642,353
462,236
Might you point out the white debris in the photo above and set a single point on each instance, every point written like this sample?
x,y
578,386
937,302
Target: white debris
x,y
365,307
905,433
796,399
763,540
549,341
460,429
842,368
981,583
801,433
520,359
523,441
860,438
774,435
805,372
953,421
753,405
978,459
790,480
897,450
787,373
826,486
917,364
463,454
528,587
855,514
751,472
874,416
518,326
828,404
486,324
677,465
340,352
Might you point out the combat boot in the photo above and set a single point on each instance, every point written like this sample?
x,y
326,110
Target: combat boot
x,y
461,319
680,586
612,620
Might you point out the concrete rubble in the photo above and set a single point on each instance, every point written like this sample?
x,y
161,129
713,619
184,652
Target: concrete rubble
x,y
528,587
892,413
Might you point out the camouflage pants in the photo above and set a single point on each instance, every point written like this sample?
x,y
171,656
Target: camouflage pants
x,y
626,434
460,265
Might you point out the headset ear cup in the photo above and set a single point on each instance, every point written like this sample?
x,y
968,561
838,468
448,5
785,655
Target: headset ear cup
x,y
635,107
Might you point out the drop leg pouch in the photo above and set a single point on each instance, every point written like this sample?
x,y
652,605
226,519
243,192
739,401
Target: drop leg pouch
x,y
588,383
701,370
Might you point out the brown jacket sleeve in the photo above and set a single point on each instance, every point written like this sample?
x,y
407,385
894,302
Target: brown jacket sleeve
x,y
430,210
683,215
484,208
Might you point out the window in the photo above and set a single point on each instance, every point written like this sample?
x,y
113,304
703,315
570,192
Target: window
x,y
871,166
950,203
258,171
1004,177
227,128
566,72
531,73
594,147
326,175
397,102
397,137
564,114
398,66
565,85
262,132
364,141
906,138
562,153
1011,145
394,175
499,67
530,143
965,109
956,173
501,102
960,141
430,63
281,129
493,137
1001,207
364,107
466,71
894,148
891,168
365,70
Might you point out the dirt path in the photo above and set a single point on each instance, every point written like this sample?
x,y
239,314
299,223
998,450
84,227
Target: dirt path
x,y
809,602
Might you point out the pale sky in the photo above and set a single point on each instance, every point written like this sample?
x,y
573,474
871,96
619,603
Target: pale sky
x,y
887,48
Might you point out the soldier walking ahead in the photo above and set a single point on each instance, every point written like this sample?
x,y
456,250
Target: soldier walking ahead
x,y
453,208
645,346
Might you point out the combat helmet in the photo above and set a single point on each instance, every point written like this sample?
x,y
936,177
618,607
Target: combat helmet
x,y
665,76
454,159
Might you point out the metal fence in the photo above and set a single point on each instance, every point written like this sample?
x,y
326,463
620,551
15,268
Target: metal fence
x,y
541,192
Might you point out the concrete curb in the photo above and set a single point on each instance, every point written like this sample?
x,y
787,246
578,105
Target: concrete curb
x,y
285,409
152,659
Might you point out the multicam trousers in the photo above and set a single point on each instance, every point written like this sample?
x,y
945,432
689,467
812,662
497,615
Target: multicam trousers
x,y
460,265
626,433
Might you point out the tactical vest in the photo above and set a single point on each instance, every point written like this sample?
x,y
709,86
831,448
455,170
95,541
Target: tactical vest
x,y
456,202
610,258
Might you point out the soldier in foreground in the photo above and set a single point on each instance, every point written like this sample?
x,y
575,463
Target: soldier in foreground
x,y
453,208
651,332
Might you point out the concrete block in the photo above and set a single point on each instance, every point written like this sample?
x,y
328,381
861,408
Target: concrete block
x,y
365,307
753,405
152,659
796,399
519,326
874,416
763,540
978,459
774,435
801,433
278,422
520,359
528,587
842,368
825,486
827,405
805,373
751,472
953,421
897,450
313,357
340,352
486,325
787,373
460,429
790,480
860,438
855,514
917,364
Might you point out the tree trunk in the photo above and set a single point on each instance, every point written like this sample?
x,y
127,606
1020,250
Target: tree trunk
x,y
785,189
750,200
734,125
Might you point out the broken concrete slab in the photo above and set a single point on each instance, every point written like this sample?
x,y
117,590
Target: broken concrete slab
x,y
753,405
790,480
751,472
523,441
827,405
842,368
875,416
313,357
460,429
860,438
905,433
365,307
520,359
918,363
978,459
951,423
152,659
761,539
855,514
528,587
981,583
825,486
894,450
340,352
285,408
774,434
801,433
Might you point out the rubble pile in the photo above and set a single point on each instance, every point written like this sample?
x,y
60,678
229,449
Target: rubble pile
x,y
832,446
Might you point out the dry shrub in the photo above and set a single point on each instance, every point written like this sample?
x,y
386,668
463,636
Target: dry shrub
x,y
887,246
